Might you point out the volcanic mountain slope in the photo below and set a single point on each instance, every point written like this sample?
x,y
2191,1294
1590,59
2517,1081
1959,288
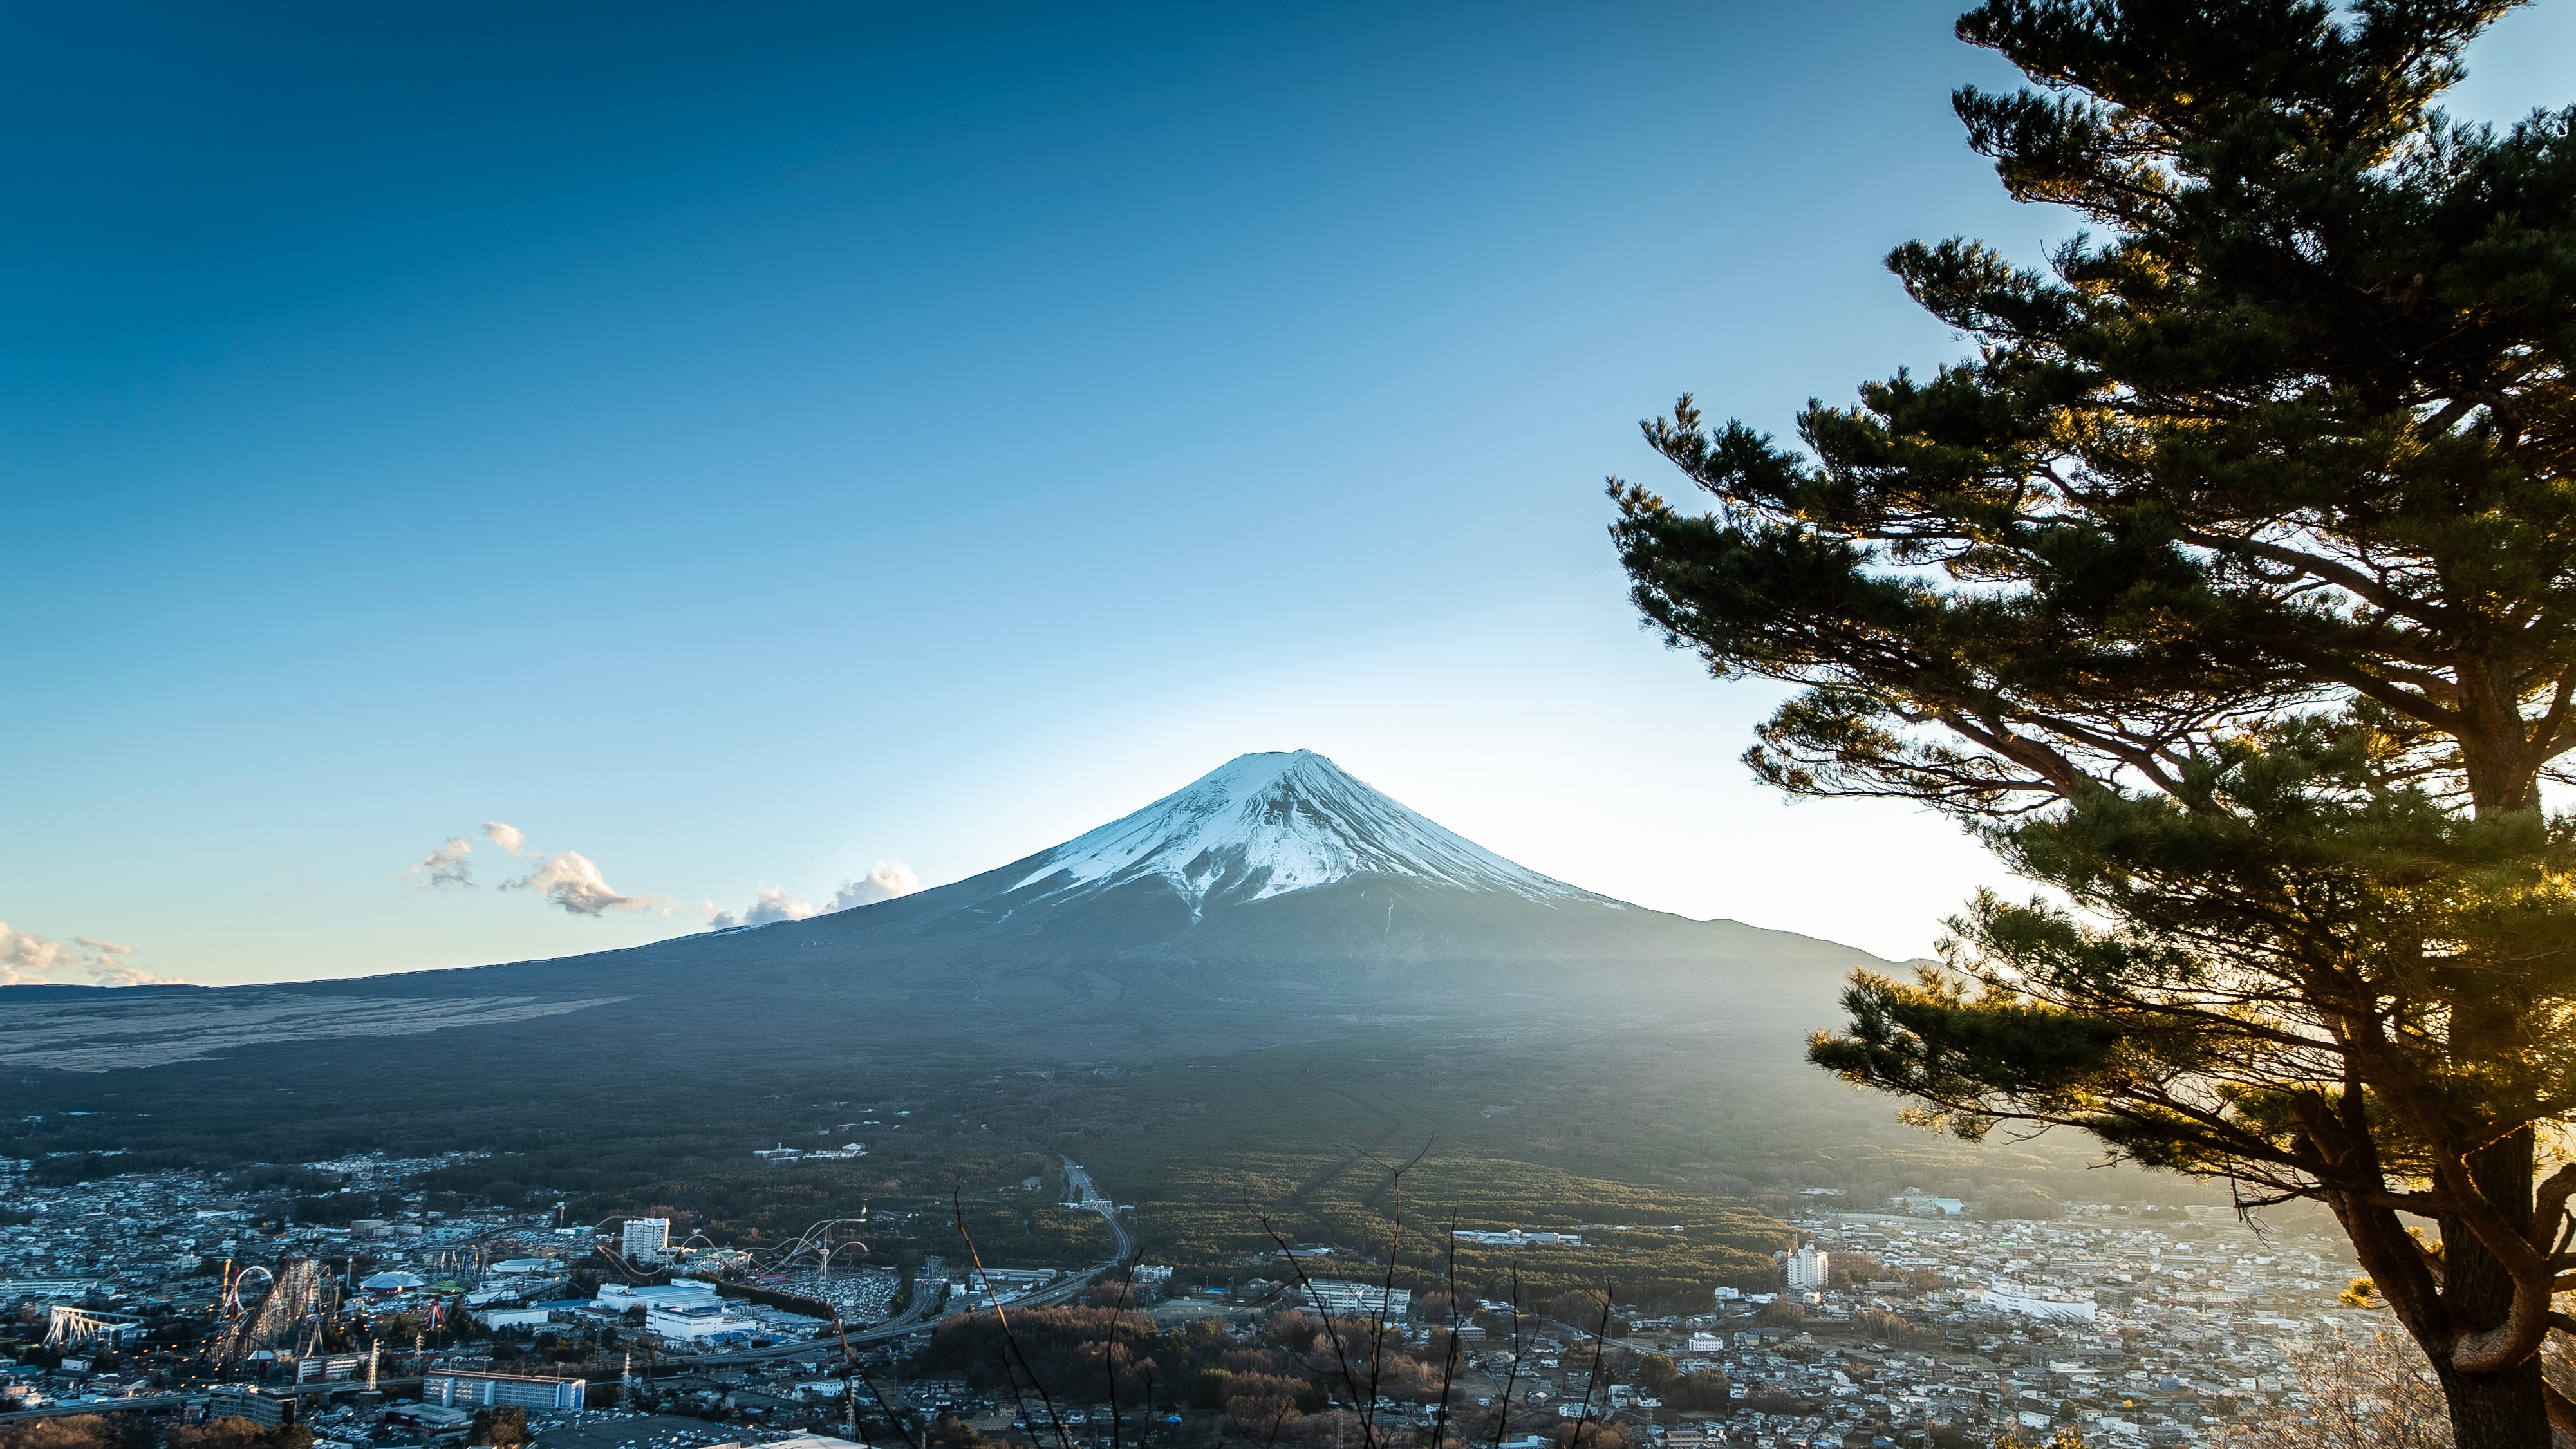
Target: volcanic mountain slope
x,y
1264,825
1283,861
1275,899
1273,889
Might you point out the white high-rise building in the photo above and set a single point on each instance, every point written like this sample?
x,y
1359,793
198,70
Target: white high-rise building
x,y
648,1240
1808,1272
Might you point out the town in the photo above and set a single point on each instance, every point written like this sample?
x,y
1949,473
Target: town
x,y
1906,1322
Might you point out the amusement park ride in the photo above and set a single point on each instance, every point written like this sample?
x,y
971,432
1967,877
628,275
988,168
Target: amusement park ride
x,y
288,1318
815,1248
285,1312
817,1242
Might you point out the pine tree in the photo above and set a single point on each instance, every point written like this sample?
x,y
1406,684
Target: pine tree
x,y
2229,592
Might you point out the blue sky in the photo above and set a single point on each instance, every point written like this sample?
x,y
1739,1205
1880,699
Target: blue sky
x,y
746,444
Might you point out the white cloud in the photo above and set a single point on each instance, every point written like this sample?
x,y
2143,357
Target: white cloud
x,y
775,904
569,880
771,904
449,865
890,879
30,960
25,959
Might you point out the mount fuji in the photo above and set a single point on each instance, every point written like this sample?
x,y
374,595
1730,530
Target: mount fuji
x,y
1249,986
1274,872
1276,898
1267,824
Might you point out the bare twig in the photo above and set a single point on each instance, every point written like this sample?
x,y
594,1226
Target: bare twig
x,y
1386,1295
1503,1416
1109,1346
1011,1340
1341,1356
859,1371
1449,1358
1600,1354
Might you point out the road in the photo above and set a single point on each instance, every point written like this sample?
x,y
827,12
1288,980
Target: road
x,y
1088,1195
1085,1194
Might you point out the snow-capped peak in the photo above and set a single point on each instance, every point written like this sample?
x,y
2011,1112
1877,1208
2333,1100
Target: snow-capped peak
x,y
1266,824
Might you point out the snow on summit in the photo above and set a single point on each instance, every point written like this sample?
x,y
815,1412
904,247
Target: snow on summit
x,y
1267,824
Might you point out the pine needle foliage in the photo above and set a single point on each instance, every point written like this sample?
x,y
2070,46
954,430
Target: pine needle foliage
x,y
2229,592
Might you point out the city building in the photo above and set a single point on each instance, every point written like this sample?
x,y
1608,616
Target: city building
x,y
2147,1326
1808,1270
1356,1300
1004,1282
1517,1238
678,1293
329,1368
514,1317
243,1402
646,1240
2013,1298
691,1322
458,1389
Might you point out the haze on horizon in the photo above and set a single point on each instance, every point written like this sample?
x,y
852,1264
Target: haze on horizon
x,y
831,450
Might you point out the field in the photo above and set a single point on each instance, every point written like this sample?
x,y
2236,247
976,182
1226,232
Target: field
x,y
1655,1244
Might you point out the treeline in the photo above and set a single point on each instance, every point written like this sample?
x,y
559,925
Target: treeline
x,y
74,1168
1073,1352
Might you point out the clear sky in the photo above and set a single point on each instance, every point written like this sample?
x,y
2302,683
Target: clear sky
x,y
745,444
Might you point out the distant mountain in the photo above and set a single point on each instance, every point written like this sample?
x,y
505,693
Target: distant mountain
x,y
65,991
1268,901
1265,825
1280,860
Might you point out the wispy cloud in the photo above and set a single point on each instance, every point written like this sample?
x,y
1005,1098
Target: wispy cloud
x,y
32,960
890,879
570,880
449,865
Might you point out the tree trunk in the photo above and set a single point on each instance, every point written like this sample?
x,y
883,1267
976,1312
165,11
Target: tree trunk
x,y
2500,1410
2503,1410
